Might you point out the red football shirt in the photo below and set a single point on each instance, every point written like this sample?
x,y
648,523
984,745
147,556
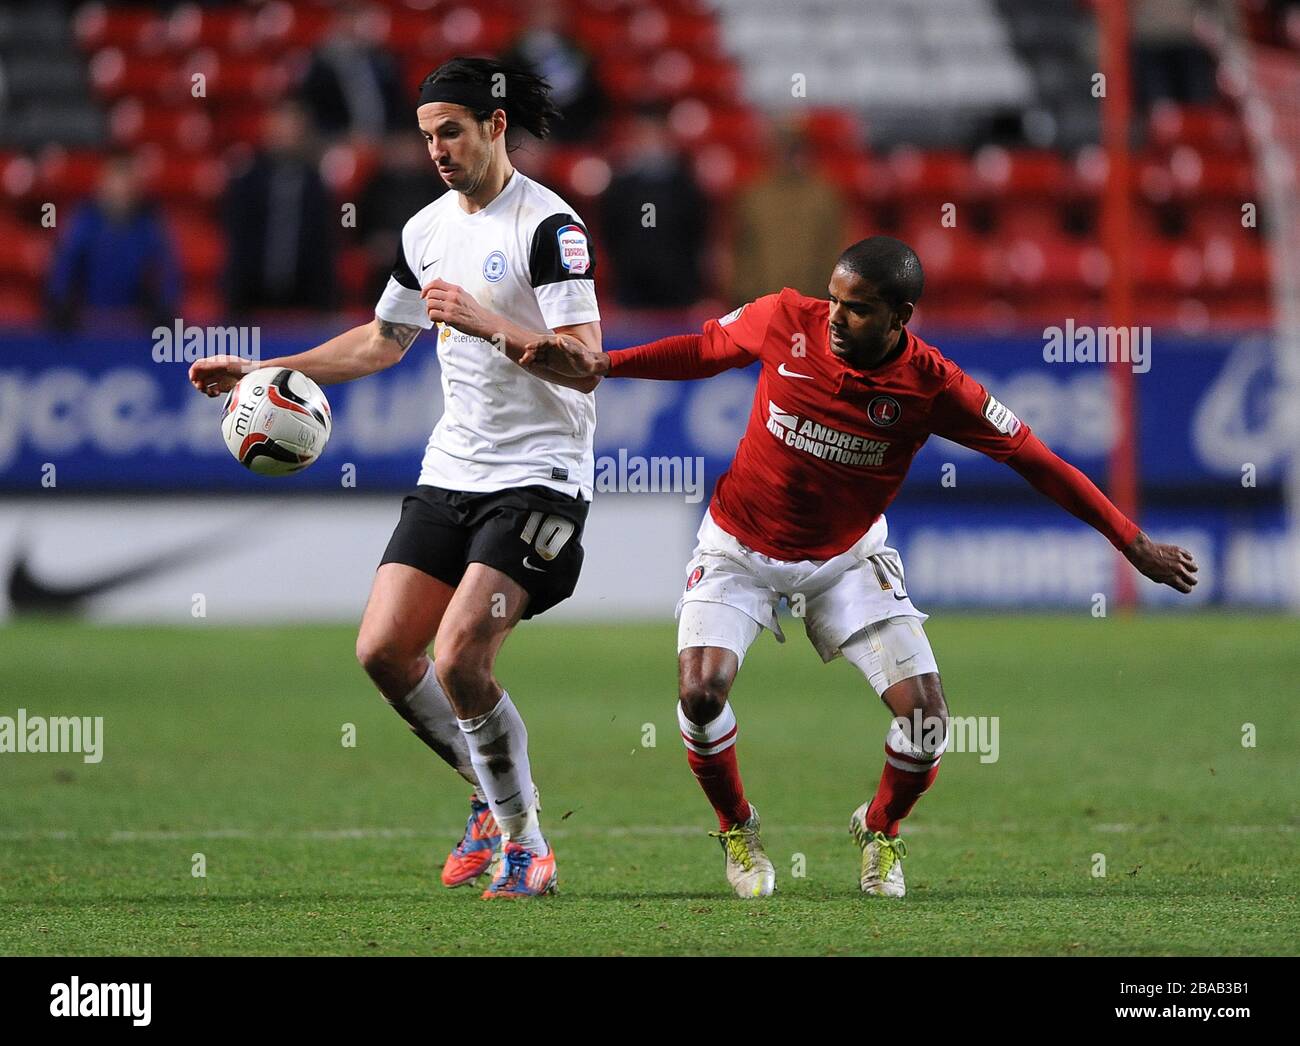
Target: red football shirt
x,y
827,446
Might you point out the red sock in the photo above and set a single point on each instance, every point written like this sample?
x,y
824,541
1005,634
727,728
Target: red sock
x,y
711,752
898,792
719,776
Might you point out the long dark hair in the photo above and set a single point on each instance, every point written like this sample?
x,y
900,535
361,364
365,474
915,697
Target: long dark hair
x,y
526,99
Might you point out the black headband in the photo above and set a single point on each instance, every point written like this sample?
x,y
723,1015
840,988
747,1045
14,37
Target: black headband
x,y
477,97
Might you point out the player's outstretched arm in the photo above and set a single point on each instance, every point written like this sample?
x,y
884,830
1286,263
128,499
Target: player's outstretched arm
x,y
680,357
1165,564
363,350
555,356
1051,475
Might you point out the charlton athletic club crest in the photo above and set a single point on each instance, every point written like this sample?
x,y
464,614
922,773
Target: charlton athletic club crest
x,y
694,579
883,411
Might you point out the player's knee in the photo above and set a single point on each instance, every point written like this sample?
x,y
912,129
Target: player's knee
x,y
923,727
918,695
378,656
703,694
930,697
463,672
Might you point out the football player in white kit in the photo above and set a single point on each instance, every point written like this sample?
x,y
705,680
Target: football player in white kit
x,y
492,532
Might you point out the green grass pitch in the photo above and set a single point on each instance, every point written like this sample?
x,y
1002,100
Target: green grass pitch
x,y
1120,737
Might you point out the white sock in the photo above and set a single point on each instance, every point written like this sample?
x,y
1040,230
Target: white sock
x,y
430,715
498,746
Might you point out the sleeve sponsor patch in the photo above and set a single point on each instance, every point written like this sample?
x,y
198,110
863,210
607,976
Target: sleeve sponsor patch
x,y
560,252
1000,417
732,316
575,255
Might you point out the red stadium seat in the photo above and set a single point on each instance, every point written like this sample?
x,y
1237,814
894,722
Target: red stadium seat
x,y
834,131
1162,266
1239,309
202,303
598,31
27,251
1052,263
62,174
197,178
936,175
697,35
188,127
202,249
1208,218
1211,129
1218,177
354,270
226,29
1235,263
345,168
1030,217
97,26
115,73
1020,172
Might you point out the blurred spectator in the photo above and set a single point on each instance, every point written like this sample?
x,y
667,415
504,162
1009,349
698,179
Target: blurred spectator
x,y
354,86
115,254
405,182
654,220
544,48
279,223
1169,61
787,224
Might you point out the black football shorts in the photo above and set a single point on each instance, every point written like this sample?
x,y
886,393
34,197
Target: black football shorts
x,y
531,534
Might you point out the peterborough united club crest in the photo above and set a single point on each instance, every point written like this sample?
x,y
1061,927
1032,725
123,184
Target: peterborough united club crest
x,y
883,411
494,267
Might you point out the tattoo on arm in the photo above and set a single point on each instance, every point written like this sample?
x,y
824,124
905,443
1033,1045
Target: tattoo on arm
x,y
402,333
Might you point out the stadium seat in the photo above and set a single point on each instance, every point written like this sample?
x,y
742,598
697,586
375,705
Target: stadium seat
x,y
201,245
97,26
1211,129
931,175
63,174
1161,266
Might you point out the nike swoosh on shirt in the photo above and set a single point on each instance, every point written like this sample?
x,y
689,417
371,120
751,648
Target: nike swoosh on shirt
x,y
427,264
793,374
531,567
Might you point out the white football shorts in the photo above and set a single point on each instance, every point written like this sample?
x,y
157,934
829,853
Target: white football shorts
x,y
853,604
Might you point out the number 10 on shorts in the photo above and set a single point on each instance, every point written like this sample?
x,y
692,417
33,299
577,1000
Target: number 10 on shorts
x,y
548,534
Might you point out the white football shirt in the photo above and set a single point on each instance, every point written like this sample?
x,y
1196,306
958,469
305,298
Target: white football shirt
x,y
525,256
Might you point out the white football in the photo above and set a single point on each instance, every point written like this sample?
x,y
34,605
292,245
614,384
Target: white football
x,y
276,421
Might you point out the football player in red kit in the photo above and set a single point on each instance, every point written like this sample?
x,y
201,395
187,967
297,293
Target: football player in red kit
x,y
846,397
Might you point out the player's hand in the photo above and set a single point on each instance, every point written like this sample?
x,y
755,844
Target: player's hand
x,y
1166,564
565,355
456,307
214,375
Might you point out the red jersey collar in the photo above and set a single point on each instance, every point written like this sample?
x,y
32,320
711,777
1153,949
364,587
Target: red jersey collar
x,y
873,375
